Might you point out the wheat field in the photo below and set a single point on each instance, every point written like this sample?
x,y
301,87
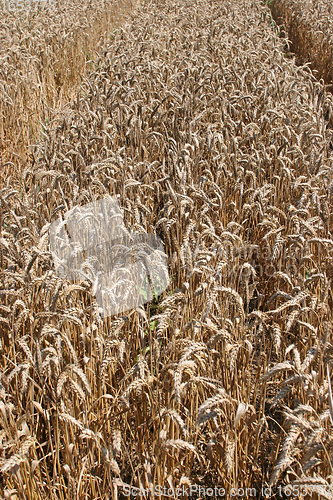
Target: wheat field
x,y
220,145
45,53
309,24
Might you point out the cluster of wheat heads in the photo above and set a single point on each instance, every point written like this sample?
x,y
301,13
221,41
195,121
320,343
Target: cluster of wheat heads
x,y
45,51
309,24
219,145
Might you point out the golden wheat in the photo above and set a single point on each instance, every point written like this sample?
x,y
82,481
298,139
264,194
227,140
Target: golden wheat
x,y
220,145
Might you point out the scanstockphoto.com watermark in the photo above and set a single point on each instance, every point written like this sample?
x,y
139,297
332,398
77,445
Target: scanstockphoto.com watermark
x,y
125,269
15,6
198,491
184,491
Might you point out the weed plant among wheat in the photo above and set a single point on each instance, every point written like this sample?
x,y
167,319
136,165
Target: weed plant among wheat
x,y
219,145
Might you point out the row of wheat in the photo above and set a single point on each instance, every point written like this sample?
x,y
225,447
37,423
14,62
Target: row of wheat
x,y
46,49
219,145
309,24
